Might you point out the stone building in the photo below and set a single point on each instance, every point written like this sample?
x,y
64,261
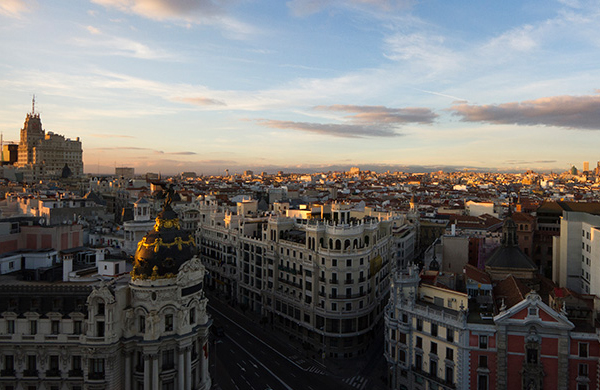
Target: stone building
x,y
323,281
44,155
144,330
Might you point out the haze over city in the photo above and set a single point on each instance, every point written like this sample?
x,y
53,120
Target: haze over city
x,y
305,85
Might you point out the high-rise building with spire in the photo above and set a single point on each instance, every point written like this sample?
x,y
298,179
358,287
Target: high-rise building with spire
x,y
45,155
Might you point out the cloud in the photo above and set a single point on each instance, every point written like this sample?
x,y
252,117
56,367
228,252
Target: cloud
x,y
381,114
201,101
573,112
335,130
93,30
523,162
13,8
204,12
112,45
519,39
365,121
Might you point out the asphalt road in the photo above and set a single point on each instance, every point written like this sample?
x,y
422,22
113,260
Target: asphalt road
x,y
247,357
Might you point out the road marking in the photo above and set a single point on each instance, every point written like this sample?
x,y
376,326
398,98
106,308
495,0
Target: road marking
x,y
273,349
241,368
292,375
256,373
262,365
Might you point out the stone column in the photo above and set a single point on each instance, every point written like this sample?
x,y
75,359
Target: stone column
x,y
188,368
155,372
146,372
204,363
180,369
127,370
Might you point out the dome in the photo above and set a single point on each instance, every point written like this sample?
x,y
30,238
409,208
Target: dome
x,y
164,249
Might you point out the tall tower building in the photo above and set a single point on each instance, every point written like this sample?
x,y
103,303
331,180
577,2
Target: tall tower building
x,y
45,155
586,166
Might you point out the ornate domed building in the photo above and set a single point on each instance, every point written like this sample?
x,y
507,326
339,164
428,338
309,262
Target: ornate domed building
x,y
168,343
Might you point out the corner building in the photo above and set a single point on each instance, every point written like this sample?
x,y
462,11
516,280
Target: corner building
x,y
323,281
144,331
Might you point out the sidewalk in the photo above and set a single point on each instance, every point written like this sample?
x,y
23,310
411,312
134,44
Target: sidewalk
x,y
340,368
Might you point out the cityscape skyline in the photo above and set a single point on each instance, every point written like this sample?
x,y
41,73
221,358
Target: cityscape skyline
x,y
304,85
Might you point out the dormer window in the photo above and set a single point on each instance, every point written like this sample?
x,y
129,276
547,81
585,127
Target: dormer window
x,y
533,311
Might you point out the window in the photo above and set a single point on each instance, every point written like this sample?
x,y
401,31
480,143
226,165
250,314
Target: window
x,y
433,348
583,370
418,362
334,262
96,369
193,315
533,311
142,324
433,367
434,330
483,342
168,359
583,350
402,355
449,353
77,327
483,361
333,306
54,363
54,325
450,335
169,323
349,263
402,338
76,363
33,327
419,324
449,374
9,362
100,329
100,311
10,326
482,382
419,342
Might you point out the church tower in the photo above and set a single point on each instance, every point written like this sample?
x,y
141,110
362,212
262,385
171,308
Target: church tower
x,y
168,326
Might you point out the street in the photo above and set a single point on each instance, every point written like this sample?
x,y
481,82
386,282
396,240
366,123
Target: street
x,y
252,356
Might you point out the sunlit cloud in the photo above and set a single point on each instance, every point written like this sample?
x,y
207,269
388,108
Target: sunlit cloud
x,y
204,12
381,115
13,8
140,149
573,112
334,130
201,101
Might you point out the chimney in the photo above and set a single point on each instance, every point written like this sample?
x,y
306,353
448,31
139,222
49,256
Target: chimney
x,y
67,267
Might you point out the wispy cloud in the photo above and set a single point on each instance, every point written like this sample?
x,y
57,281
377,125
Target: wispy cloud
x,y
13,8
364,121
105,44
203,12
383,115
573,112
335,130
201,101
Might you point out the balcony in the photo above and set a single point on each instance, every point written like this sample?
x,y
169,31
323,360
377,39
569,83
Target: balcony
x,y
349,281
9,372
361,279
53,373
442,382
333,281
31,373
76,373
96,376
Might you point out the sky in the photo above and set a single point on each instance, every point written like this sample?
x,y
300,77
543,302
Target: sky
x,y
307,85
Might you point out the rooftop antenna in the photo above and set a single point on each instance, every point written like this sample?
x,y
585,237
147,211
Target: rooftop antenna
x,y
33,105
